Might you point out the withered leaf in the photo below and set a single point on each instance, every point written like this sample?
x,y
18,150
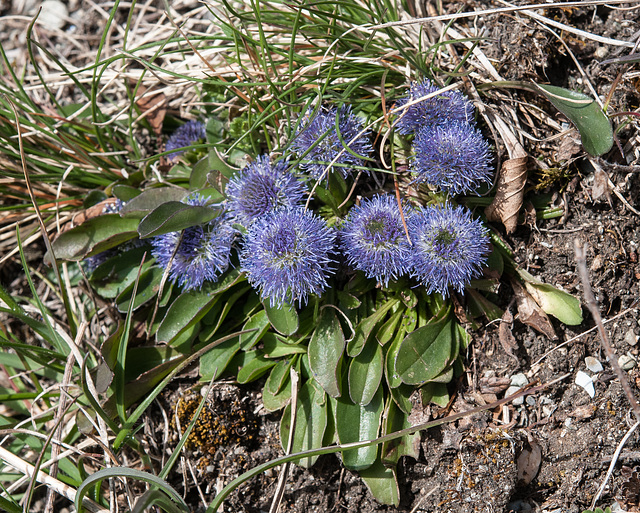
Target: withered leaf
x,y
530,312
91,212
153,107
507,340
529,460
600,186
509,194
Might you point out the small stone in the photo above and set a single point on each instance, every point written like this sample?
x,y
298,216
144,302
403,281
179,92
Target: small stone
x,y
593,364
597,264
54,15
512,390
519,380
586,382
601,52
531,401
626,362
631,338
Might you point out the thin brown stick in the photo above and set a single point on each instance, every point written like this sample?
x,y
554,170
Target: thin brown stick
x,y
592,305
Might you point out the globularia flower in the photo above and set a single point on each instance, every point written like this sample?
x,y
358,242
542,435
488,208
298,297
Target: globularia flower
x,y
374,240
317,142
185,135
261,187
203,250
286,255
437,110
454,157
449,247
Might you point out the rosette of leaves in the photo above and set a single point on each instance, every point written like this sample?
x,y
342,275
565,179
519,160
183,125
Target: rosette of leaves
x,y
365,341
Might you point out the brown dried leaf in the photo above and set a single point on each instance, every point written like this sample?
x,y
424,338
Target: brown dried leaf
x,y
153,107
494,385
530,312
509,194
600,186
529,460
507,340
570,145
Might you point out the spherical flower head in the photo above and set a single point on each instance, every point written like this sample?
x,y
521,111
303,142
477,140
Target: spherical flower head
x,y
437,110
317,142
373,238
262,187
286,255
185,135
454,157
202,253
449,247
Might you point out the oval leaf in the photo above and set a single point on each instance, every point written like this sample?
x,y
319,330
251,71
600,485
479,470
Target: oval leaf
x,y
561,305
284,319
311,422
382,483
365,373
426,352
151,199
94,236
355,423
594,126
325,351
174,216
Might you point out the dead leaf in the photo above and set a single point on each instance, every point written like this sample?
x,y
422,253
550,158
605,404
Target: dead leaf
x,y
570,146
600,186
506,205
530,312
494,385
529,460
630,490
507,340
584,412
153,107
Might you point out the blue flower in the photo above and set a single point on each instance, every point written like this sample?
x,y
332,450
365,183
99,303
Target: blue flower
x,y
202,253
317,142
286,255
454,157
184,136
373,238
449,247
261,187
438,110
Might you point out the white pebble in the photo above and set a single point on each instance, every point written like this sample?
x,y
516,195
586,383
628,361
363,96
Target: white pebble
x,y
54,15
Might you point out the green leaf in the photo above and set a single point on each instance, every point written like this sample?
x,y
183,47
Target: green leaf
x,y
592,123
284,319
562,305
214,362
388,330
426,352
254,368
274,347
325,351
174,216
147,289
409,445
125,192
277,389
93,236
110,278
382,483
149,200
355,423
364,328
189,307
311,422
436,393
365,373
257,322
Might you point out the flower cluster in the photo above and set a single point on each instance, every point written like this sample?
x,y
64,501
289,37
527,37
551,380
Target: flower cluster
x,y
260,188
449,151
287,255
186,135
287,251
199,253
331,136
